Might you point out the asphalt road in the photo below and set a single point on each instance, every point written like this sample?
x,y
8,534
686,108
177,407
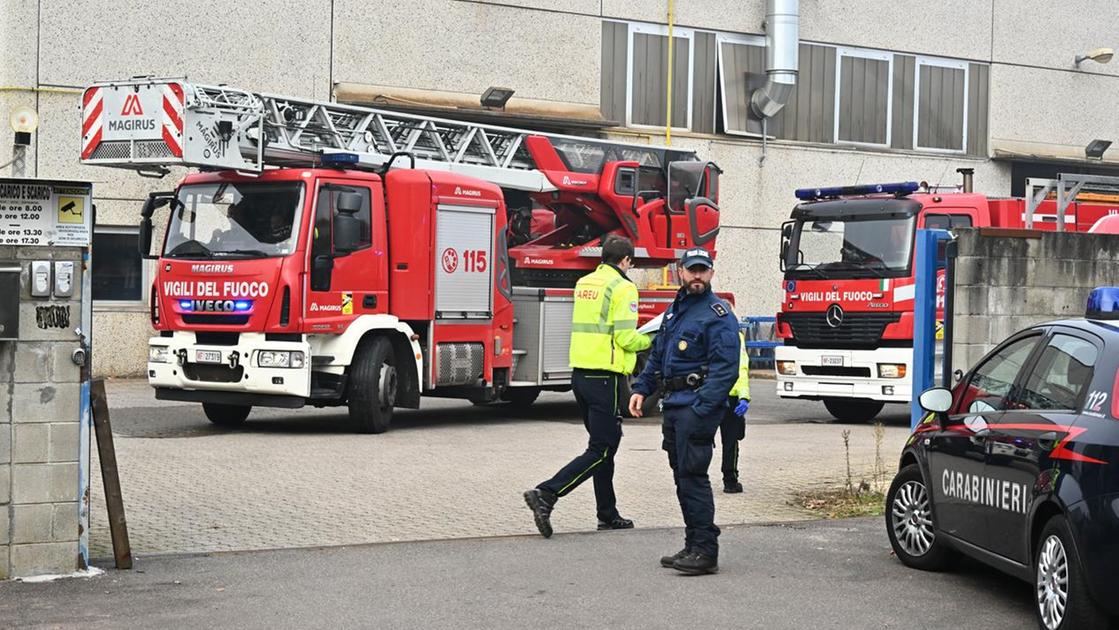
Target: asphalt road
x,y
825,574
140,415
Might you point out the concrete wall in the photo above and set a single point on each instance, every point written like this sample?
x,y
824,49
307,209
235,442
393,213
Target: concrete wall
x,y
1006,283
39,430
550,51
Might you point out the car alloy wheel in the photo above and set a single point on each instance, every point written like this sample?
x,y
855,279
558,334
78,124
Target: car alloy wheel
x,y
911,518
1052,582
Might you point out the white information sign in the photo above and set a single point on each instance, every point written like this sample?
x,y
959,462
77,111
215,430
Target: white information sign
x,y
42,212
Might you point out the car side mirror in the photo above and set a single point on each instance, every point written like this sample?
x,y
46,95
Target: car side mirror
x,y
958,375
144,238
936,400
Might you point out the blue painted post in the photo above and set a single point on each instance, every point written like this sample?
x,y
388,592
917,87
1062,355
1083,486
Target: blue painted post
x,y
924,317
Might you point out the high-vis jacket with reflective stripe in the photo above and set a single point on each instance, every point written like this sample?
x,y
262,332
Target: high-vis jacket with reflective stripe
x,y
741,387
604,322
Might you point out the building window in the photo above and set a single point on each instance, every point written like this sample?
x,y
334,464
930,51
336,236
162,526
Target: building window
x,y
647,80
118,273
739,56
865,83
940,105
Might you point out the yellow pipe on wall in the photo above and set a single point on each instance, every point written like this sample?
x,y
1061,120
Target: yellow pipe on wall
x,y
671,47
58,90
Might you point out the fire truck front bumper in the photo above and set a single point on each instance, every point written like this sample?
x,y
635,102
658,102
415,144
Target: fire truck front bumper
x,y
884,374
250,370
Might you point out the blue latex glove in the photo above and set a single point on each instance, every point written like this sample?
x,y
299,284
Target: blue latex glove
x,y
740,409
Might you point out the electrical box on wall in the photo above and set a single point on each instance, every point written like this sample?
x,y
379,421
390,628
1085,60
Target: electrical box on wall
x,y
9,300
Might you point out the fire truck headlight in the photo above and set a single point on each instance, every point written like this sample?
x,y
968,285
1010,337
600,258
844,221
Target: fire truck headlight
x,y
273,359
787,368
891,370
158,354
280,359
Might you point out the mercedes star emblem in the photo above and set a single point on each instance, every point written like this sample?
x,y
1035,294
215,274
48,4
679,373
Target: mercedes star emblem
x,y
834,316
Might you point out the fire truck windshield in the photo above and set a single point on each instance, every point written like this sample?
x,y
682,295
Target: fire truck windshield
x,y
235,220
853,247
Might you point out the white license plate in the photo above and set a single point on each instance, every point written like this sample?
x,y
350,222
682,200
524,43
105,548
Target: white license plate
x,y
207,356
832,361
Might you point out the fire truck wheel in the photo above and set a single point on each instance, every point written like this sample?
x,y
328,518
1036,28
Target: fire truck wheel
x,y
226,415
373,386
853,410
521,397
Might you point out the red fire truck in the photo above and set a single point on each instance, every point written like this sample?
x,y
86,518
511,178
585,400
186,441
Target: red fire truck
x,y
337,255
846,320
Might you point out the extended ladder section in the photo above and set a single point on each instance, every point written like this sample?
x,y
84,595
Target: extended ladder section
x,y
151,124
1067,187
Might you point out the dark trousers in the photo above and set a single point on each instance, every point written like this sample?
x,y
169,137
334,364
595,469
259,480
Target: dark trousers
x,y
690,443
597,393
731,430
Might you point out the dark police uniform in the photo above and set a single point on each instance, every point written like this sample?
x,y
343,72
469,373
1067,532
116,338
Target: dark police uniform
x,y
696,353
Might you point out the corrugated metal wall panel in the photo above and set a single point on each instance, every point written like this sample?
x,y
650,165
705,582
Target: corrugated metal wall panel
x,y
809,116
703,97
940,111
905,67
612,99
979,90
738,59
650,94
863,100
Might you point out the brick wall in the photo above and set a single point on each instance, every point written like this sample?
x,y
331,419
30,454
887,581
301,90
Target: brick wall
x,y
39,429
1007,280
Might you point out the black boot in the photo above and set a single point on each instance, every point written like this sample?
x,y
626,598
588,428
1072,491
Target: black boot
x,y
615,523
731,486
541,503
669,561
694,563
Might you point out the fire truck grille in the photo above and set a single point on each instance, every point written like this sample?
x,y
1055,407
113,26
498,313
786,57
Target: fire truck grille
x,y
459,363
858,330
124,150
219,320
213,373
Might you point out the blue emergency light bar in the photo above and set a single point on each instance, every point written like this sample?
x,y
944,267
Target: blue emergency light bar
x,y
339,158
1103,303
899,188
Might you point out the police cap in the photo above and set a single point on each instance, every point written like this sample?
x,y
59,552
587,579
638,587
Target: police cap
x,y
696,256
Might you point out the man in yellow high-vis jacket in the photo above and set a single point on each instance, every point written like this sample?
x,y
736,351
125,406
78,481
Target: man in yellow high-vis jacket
x,y
603,351
733,426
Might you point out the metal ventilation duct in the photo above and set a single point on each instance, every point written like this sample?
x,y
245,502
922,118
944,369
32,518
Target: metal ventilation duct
x,y
782,47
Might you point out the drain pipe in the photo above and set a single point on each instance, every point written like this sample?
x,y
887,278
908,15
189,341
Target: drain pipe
x,y
782,48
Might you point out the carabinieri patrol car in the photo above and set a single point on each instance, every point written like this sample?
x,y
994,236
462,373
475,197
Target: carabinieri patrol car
x,y
1018,467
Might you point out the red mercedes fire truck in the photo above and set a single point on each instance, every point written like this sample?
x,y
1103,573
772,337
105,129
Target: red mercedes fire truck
x,y
328,254
846,318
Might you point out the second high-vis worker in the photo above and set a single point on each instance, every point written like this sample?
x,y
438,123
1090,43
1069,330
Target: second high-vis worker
x,y
604,343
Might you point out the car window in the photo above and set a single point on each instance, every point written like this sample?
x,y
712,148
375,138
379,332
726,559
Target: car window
x,y
1061,377
946,221
990,382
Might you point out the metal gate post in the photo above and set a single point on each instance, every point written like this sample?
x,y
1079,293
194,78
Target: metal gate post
x,y
924,316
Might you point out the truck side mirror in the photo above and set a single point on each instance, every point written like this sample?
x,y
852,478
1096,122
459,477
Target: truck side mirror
x,y
786,238
347,228
144,238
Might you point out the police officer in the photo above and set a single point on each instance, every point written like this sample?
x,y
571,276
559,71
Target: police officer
x,y
733,427
604,343
696,353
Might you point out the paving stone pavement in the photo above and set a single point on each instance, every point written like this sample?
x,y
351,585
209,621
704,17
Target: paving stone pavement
x,y
450,470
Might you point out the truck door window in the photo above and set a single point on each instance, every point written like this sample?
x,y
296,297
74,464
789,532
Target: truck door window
x,y
947,221
1061,376
990,383
325,211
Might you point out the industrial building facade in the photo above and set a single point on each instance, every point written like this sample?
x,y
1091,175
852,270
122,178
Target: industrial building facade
x,y
886,91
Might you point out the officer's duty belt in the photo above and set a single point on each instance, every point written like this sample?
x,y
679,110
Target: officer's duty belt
x,y
689,381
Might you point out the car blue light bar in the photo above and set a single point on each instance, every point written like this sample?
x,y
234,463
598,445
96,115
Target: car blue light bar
x,y
898,188
186,305
340,158
1103,303
242,305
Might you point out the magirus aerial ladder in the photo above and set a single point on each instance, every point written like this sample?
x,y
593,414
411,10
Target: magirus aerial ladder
x,y
580,188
